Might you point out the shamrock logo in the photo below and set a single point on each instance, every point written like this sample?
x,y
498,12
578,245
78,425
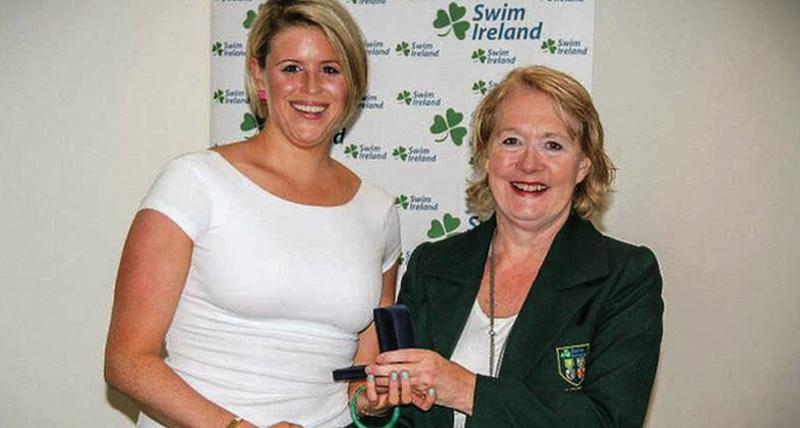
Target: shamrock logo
x,y
566,353
446,227
448,126
479,87
549,45
402,48
351,150
219,96
479,55
404,97
401,201
250,122
452,21
400,153
248,22
216,48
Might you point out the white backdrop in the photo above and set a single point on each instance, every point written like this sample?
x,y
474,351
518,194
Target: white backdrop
x,y
700,102
430,62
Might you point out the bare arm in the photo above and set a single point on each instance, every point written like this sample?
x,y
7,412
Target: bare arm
x,y
368,339
393,391
153,269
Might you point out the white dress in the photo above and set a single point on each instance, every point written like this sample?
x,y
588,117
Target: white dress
x,y
276,294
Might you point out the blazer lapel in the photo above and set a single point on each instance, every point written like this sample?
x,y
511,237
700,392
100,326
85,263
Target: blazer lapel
x,y
455,277
450,308
452,277
576,257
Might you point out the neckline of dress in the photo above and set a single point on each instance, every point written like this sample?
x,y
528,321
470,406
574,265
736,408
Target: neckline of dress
x,y
253,185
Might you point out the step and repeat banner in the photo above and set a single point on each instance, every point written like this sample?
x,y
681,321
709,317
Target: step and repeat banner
x,y
430,63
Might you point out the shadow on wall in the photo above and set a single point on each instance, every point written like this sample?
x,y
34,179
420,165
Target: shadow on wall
x,y
598,217
122,404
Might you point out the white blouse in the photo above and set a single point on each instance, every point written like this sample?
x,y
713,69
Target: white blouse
x,y
472,350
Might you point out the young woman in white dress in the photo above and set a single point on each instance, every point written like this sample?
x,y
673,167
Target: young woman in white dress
x,y
258,263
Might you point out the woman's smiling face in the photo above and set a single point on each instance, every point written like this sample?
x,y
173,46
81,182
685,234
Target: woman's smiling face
x,y
534,164
306,90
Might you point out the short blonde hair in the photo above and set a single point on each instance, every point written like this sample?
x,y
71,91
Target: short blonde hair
x,y
574,105
333,20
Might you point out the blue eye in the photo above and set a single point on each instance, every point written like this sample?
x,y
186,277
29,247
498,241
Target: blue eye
x,y
553,145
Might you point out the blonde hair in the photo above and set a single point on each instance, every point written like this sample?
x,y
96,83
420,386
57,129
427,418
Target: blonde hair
x,y
574,106
337,25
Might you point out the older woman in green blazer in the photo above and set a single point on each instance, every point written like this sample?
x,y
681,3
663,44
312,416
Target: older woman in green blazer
x,y
533,318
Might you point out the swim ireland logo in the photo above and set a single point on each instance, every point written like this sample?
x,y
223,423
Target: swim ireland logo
x,y
400,153
447,126
229,96
227,49
404,97
549,45
493,56
416,49
370,102
377,48
451,21
479,55
487,22
419,98
416,203
479,88
365,152
219,96
414,154
352,151
564,47
402,48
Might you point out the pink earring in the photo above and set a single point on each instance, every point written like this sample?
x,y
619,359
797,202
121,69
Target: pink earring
x,y
262,95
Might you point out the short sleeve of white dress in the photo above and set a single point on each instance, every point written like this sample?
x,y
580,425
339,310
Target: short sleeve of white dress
x,y
391,249
180,193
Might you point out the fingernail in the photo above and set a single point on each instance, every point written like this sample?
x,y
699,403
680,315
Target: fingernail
x,y
371,378
432,391
394,375
404,374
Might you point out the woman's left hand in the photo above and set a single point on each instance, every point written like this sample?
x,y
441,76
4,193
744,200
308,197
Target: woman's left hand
x,y
433,379
381,394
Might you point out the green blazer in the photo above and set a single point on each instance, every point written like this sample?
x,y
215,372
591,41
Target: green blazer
x,y
584,348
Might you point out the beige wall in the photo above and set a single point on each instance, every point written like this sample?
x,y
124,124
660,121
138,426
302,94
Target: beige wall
x,y
701,103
